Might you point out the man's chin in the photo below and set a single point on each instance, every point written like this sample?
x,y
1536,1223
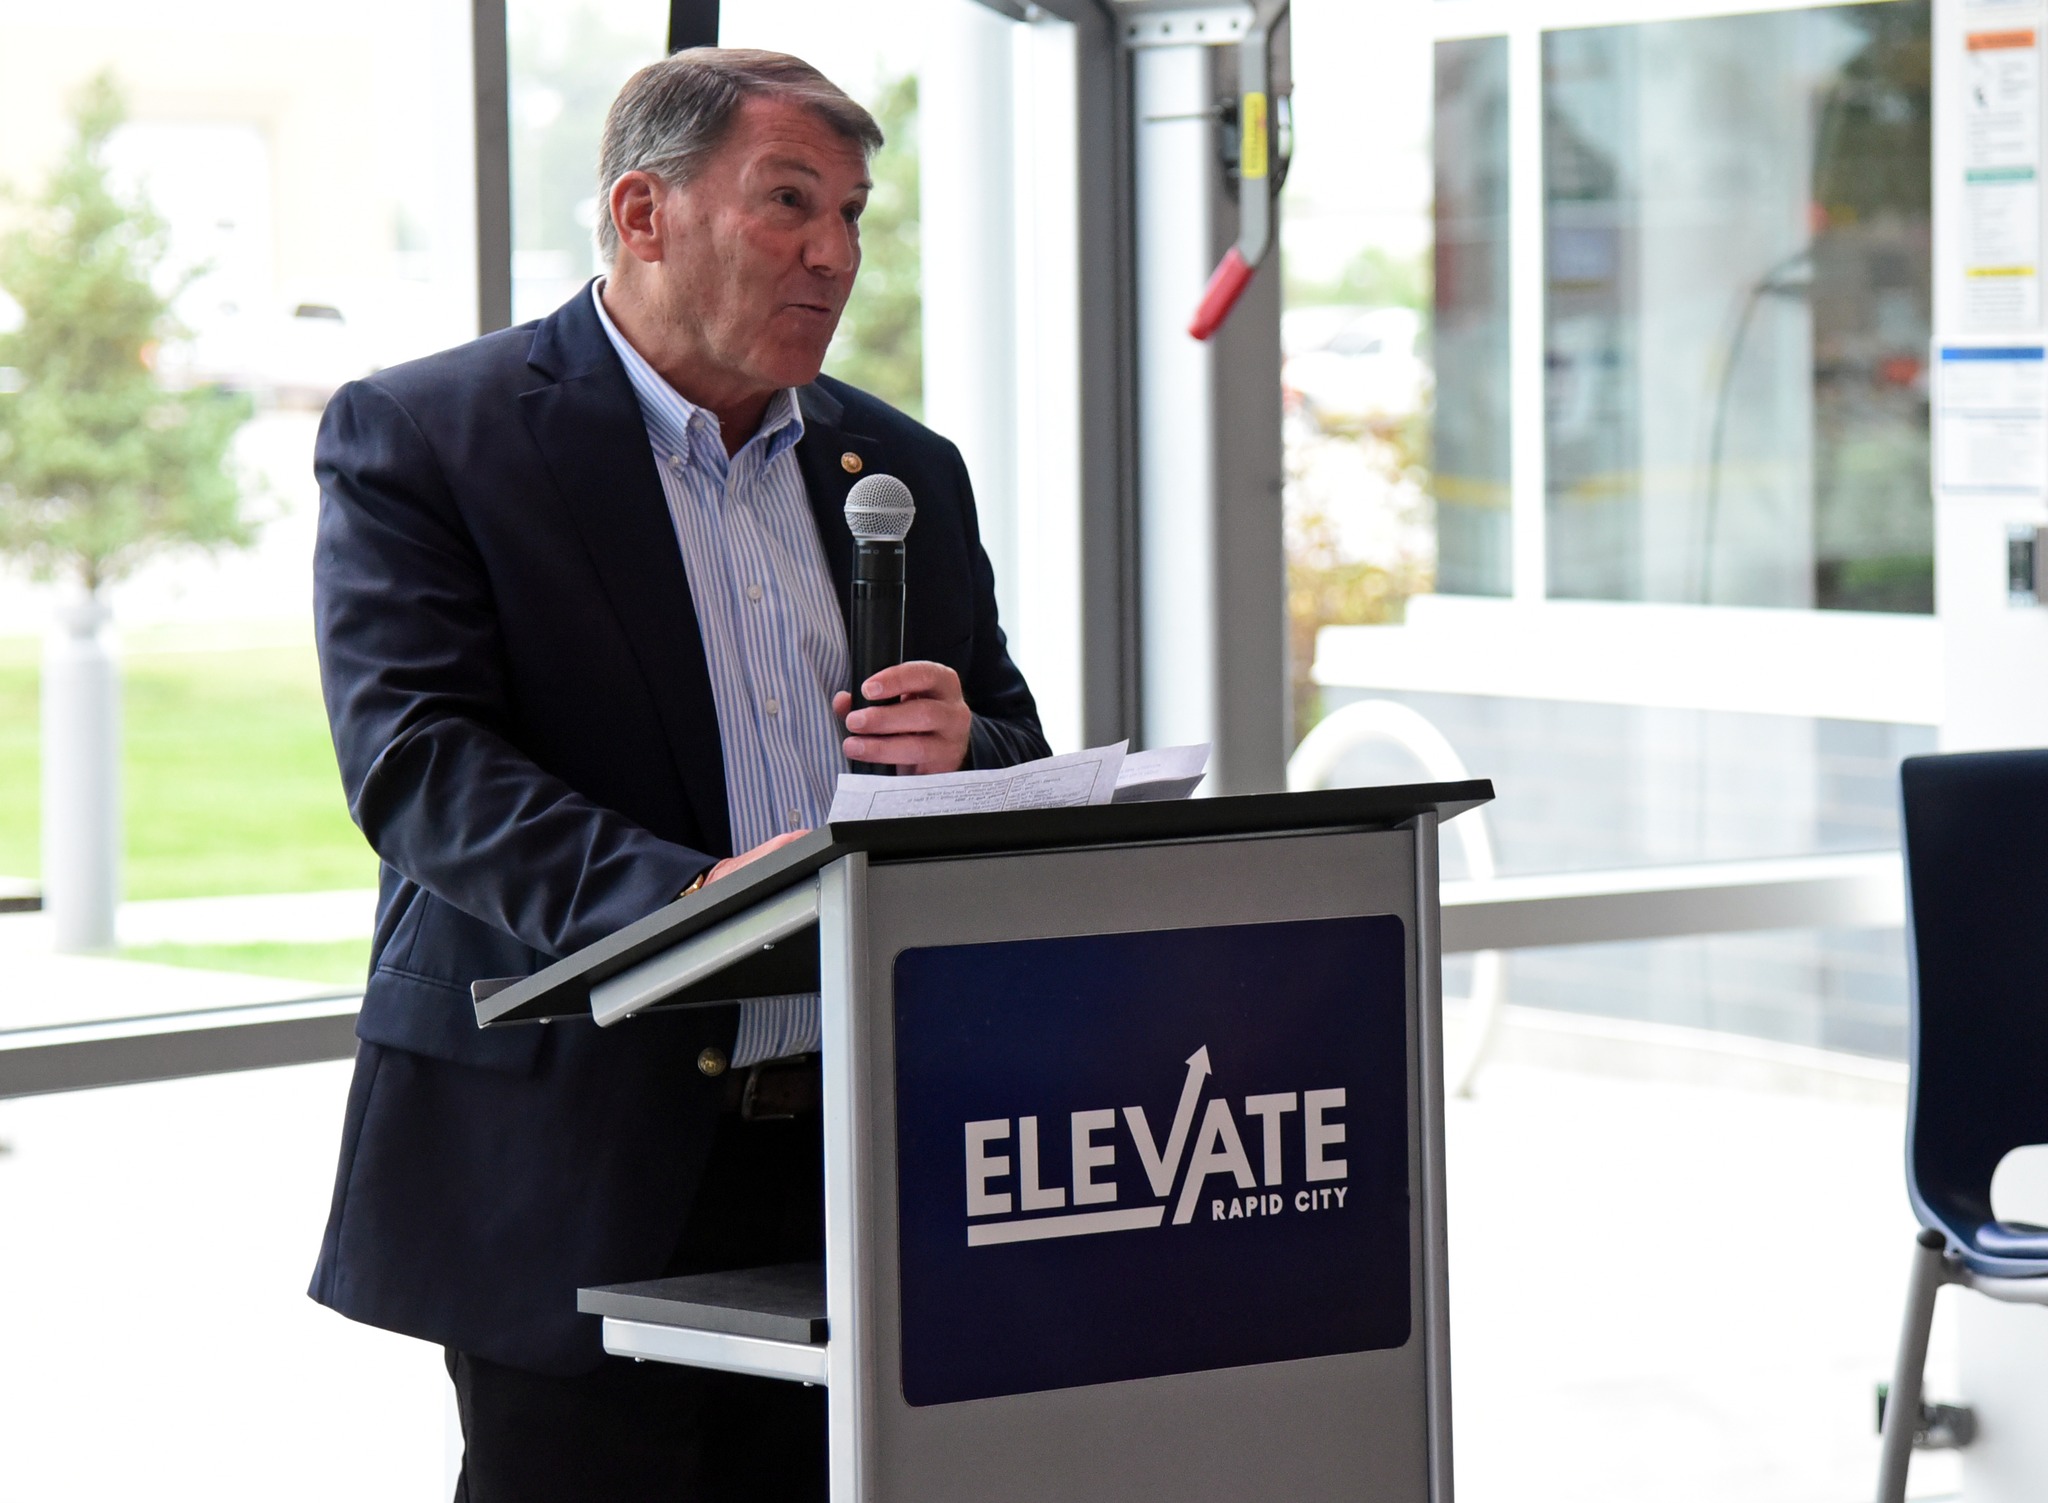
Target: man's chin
x,y
797,369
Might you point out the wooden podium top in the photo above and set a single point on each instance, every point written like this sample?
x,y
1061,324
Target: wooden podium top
x,y
563,989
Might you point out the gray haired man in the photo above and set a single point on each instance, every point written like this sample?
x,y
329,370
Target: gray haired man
x,y
581,591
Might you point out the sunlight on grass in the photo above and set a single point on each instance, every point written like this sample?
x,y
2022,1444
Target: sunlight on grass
x,y
20,766
342,965
228,778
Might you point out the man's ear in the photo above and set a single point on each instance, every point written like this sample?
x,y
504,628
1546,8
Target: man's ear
x,y
635,202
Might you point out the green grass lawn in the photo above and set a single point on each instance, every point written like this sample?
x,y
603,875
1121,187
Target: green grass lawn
x,y
19,763
229,784
342,965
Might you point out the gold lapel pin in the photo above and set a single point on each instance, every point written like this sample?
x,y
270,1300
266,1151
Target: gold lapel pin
x,y
850,463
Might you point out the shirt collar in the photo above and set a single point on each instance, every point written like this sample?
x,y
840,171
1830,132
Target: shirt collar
x,y
674,421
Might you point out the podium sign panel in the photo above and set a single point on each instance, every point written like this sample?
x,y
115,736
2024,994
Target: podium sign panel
x,y
1122,1156
1293,1355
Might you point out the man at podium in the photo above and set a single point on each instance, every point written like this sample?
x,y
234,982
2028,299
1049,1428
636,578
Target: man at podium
x,y
581,593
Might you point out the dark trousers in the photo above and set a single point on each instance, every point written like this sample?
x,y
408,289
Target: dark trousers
x,y
652,1432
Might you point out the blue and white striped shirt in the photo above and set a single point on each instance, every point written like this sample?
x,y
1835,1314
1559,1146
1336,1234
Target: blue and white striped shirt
x,y
773,635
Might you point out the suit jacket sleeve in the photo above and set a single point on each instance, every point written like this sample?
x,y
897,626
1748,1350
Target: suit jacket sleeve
x,y
413,669
1005,729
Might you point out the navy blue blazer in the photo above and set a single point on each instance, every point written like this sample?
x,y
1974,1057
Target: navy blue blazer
x,y
523,718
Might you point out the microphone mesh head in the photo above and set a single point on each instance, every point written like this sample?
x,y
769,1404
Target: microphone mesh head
x,y
879,509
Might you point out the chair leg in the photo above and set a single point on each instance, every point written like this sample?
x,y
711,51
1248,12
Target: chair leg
x,y
1902,1408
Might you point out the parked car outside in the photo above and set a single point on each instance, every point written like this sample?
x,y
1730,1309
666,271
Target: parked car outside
x,y
1350,367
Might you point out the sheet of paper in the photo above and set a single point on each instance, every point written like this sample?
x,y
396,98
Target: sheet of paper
x,y
1165,772
1078,778
2001,187
1991,426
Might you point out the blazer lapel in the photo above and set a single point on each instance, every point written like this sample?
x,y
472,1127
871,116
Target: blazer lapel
x,y
821,455
588,427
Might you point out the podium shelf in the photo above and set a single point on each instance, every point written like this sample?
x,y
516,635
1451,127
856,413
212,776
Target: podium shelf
x,y
766,1321
782,1303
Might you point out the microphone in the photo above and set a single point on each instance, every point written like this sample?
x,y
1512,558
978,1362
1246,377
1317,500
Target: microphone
x,y
879,511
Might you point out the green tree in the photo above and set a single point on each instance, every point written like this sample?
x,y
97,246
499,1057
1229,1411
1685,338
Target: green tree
x,y
101,465
1324,587
1374,278
880,344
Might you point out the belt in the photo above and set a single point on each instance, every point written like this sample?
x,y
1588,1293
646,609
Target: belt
x,y
775,1090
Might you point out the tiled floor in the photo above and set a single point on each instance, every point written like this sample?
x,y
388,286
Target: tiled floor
x,y
1674,1292
155,1337
1635,1319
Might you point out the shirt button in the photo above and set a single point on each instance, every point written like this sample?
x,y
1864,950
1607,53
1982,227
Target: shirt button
x,y
774,707
796,818
753,592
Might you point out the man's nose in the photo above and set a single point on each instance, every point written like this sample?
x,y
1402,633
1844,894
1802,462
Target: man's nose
x,y
833,248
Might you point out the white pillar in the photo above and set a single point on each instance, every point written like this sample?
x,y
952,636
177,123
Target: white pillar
x,y
1177,623
1046,606
1211,574
967,236
81,735
999,221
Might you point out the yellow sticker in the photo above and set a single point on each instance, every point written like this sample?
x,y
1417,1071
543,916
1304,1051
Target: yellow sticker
x,y
1252,158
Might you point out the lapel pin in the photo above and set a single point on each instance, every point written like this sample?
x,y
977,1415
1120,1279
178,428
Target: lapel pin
x,y
850,463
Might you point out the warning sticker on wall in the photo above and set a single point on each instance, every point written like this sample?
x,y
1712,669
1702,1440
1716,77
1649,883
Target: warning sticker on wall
x,y
2001,180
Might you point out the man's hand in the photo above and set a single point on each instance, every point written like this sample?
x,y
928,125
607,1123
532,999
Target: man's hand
x,y
925,731
732,864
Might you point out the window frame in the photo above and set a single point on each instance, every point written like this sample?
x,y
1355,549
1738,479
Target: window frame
x,y
1847,643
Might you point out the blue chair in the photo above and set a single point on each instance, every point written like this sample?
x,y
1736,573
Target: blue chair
x,y
1976,847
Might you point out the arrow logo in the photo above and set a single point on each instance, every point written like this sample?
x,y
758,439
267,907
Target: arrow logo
x,y
1162,1166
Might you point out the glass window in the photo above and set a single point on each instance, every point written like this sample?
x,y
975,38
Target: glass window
x,y
1737,310
566,62
1836,989
1591,787
1355,328
1469,472
1587,787
311,171
1730,248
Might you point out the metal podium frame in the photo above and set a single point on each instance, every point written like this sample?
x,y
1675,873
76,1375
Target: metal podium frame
x,y
833,911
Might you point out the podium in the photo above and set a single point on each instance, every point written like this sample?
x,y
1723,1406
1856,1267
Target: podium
x,y
1133,1129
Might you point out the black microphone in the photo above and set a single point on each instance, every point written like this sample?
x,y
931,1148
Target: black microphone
x,y
879,511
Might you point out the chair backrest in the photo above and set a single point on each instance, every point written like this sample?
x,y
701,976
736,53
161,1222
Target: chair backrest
x,y
1976,845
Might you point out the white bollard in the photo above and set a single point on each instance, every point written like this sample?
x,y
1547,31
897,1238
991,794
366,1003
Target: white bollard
x,y
81,778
